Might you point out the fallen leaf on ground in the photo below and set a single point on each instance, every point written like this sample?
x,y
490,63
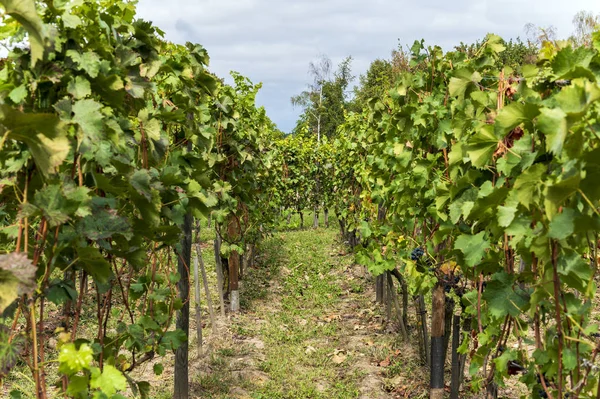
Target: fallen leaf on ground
x,y
385,362
339,358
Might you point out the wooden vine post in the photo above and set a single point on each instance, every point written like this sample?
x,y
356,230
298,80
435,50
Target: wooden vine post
x,y
380,284
197,305
219,267
234,265
456,369
437,342
181,382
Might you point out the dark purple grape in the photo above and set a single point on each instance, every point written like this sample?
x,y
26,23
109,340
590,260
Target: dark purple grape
x,y
416,254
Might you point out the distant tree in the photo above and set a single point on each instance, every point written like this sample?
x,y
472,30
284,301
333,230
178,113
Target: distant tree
x,y
518,53
311,100
537,35
400,60
378,79
335,98
325,99
585,23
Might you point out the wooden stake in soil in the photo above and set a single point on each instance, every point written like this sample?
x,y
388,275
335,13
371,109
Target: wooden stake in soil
x,y
422,317
379,288
449,312
404,302
394,299
219,267
387,298
181,376
234,267
211,310
197,307
243,263
437,343
456,369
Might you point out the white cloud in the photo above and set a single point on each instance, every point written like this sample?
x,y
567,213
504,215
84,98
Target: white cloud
x,y
274,40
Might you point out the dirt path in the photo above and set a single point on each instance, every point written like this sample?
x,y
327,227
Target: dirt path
x,y
309,329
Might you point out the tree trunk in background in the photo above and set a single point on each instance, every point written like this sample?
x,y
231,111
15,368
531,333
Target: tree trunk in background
x,y
437,342
301,220
316,218
326,217
234,267
219,267
181,379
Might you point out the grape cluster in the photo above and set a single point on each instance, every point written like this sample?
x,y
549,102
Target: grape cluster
x,y
451,282
417,254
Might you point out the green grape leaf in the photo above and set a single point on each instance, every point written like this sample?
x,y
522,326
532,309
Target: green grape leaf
x,y
365,230
482,145
70,20
79,87
90,119
77,385
59,292
140,181
569,359
506,215
94,263
17,277
502,360
15,394
527,183
72,360
88,61
109,380
513,115
575,271
10,351
473,247
553,123
18,94
463,80
44,135
103,224
25,13
569,62
562,225
173,339
502,296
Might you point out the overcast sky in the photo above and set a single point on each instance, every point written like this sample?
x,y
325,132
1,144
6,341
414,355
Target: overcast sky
x,y
273,41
